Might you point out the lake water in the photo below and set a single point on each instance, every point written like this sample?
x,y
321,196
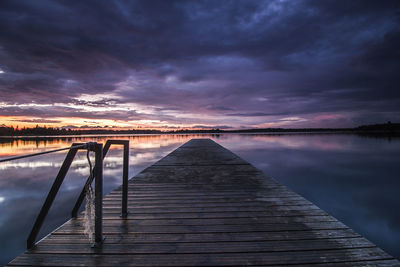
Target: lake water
x,y
354,178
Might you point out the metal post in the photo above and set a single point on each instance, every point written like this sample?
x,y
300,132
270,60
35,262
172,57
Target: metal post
x,y
89,180
98,174
125,180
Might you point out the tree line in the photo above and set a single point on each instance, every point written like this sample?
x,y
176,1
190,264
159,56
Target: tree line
x,y
385,128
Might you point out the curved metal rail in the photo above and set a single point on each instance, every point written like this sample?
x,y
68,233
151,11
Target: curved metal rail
x,y
125,167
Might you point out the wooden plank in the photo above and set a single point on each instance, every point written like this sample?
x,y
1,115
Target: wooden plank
x,y
205,237
245,202
221,259
200,199
223,201
216,221
206,247
210,194
211,209
188,206
193,215
115,227
214,206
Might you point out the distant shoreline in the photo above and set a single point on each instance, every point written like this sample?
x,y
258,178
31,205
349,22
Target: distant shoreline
x,y
359,133
387,129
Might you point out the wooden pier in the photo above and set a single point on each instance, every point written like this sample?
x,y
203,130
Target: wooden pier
x,y
204,206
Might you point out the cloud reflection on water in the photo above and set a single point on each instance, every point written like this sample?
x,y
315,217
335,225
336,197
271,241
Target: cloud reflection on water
x,y
353,178
25,183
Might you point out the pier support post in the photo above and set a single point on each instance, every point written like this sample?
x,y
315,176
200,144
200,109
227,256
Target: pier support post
x,y
124,212
98,174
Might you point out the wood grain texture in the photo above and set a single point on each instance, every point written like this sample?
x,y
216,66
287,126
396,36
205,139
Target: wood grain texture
x,y
202,205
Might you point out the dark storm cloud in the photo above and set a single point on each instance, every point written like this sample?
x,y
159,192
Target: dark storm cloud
x,y
256,114
231,58
57,111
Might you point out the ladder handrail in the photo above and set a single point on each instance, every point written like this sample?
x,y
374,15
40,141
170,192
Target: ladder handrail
x,y
89,180
100,153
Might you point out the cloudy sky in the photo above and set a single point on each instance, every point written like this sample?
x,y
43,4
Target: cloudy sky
x,y
226,64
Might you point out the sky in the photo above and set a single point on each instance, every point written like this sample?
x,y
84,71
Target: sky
x,y
199,64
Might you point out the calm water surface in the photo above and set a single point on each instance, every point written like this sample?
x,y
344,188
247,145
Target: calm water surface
x,y
356,179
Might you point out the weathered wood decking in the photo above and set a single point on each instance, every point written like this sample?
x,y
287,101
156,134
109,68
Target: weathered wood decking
x,y
204,206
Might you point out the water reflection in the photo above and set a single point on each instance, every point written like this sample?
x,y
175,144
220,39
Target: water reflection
x,y
25,183
353,178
